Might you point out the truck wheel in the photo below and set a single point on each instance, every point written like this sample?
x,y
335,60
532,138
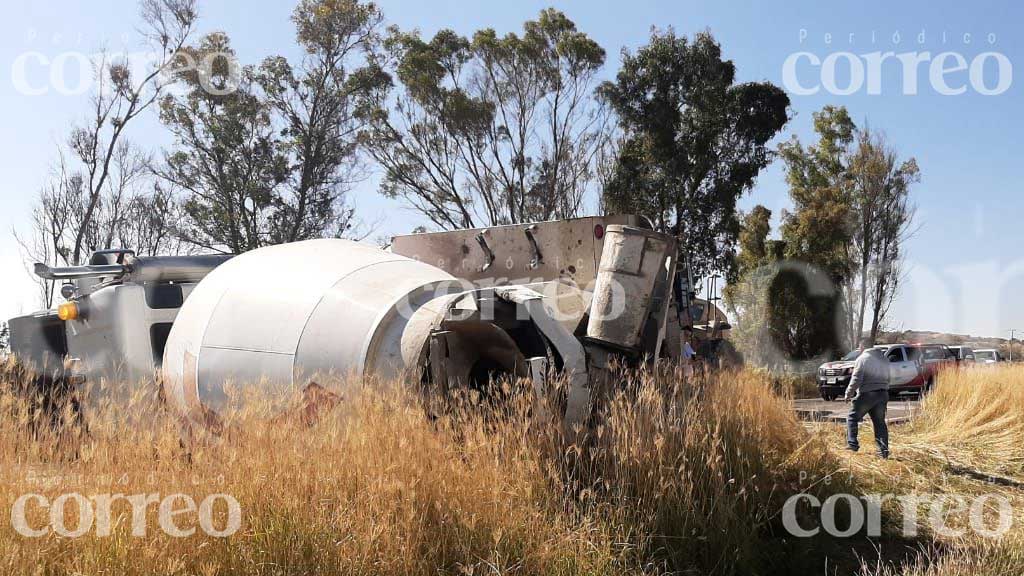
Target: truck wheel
x,y
827,396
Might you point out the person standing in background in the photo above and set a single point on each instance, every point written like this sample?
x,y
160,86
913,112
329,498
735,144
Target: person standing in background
x,y
687,355
869,392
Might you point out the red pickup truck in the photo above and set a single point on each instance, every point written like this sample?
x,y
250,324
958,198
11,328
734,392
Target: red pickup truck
x,y
913,369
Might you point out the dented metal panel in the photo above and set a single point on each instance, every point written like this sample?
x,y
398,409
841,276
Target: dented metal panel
x,y
566,250
631,265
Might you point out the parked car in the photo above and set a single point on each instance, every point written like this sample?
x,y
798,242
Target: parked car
x,y
933,358
913,369
834,377
963,354
988,356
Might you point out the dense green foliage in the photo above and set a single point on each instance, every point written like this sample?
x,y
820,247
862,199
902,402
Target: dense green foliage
x,y
694,141
837,265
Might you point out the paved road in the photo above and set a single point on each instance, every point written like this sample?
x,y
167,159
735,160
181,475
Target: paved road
x,y
816,409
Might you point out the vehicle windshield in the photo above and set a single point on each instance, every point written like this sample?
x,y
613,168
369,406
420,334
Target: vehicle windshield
x,y
852,355
985,355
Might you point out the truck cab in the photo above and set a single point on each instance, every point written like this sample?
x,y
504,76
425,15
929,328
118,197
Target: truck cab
x,y
114,322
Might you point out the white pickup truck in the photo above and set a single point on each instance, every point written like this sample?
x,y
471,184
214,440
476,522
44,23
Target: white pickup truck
x,y
912,369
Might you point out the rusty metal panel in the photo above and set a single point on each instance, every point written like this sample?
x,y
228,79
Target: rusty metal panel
x,y
566,250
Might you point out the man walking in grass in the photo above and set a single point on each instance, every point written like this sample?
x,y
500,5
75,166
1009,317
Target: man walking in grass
x,y
869,391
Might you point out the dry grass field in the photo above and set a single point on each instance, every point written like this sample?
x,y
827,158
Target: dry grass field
x,y
681,478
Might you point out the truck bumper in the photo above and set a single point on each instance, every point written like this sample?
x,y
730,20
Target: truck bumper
x,y
905,390
833,384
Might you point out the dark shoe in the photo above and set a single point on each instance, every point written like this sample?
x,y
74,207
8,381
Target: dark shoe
x,y
883,455
852,448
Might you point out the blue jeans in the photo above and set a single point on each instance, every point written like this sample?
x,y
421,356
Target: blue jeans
x,y
873,404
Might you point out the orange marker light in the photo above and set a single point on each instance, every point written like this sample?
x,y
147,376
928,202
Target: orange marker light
x,y
68,311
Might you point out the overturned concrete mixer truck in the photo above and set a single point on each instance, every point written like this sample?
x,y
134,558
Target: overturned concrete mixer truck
x,y
453,309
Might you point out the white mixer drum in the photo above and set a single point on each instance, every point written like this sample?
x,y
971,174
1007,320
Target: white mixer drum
x,y
282,314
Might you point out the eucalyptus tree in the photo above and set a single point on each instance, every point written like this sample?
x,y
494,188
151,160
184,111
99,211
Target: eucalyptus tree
x,y
490,129
268,154
694,142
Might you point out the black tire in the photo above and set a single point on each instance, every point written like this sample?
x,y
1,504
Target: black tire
x,y
828,396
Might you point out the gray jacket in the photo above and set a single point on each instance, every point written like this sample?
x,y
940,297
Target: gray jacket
x,y
870,373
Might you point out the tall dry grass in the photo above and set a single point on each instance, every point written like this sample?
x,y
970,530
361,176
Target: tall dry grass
x,y
684,477
967,440
680,478
696,473
975,419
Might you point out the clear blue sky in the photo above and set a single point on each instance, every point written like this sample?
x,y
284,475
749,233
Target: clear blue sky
x,y
968,146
